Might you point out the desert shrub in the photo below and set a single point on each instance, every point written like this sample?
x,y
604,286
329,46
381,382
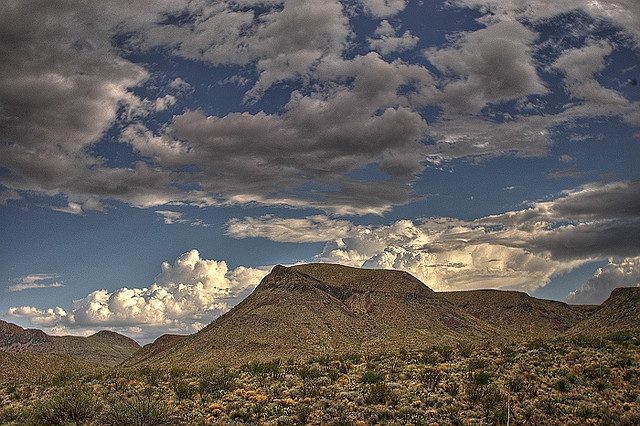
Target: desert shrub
x,y
352,357
152,376
264,369
75,403
13,415
62,378
562,385
475,392
378,393
333,374
372,377
211,381
492,398
306,372
464,350
445,352
452,388
629,419
585,412
600,385
342,422
430,356
429,376
515,384
184,390
177,372
144,409
477,364
507,350
480,378
302,412
538,344
241,415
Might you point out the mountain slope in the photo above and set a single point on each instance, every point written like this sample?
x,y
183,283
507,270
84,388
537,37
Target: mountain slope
x,y
104,347
620,312
517,315
158,346
26,367
314,309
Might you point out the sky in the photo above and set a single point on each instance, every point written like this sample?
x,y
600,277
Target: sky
x,y
158,158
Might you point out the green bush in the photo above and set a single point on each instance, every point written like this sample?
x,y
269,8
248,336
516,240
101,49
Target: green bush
x,y
372,377
464,350
562,385
480,378
144,409
306,372
378,393
211,381
184,390
269,369
445,352
429,376
75,403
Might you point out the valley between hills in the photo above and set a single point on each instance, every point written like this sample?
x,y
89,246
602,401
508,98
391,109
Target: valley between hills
x,y
335,345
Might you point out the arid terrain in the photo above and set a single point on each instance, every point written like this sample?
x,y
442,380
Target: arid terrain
x,y
327,344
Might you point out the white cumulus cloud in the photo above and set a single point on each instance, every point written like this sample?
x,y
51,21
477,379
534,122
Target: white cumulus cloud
x,y
186,294
618,273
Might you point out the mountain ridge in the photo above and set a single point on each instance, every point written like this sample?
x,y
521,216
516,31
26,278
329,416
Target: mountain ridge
x,y
104,347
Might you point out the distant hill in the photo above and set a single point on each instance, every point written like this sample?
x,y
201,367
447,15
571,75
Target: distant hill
x,y
620,312
25,367
518,315
317,309
104,347
149,350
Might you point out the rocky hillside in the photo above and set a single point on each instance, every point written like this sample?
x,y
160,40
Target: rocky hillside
x,y
619,313
517,314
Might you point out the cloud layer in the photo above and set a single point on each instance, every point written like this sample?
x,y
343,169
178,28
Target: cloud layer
x,y
520,249
345,108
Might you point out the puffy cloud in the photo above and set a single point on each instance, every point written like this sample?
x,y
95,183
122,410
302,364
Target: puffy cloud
x,y
284,42
295,230
520,249
189,292
443,253
317,142
618,273
31,281
580,67
622,13
387,40
383,8
491,65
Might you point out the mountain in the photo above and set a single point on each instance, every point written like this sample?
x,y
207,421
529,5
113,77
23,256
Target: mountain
x,y
620,312
316,309
104,347
149,350
518,315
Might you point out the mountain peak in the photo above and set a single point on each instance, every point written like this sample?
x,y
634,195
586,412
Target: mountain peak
x,y
282,277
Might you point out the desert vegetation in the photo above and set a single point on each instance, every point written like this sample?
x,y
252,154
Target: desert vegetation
x,y
578,380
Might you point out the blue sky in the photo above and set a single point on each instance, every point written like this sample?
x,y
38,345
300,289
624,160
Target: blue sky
x,y
158,158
